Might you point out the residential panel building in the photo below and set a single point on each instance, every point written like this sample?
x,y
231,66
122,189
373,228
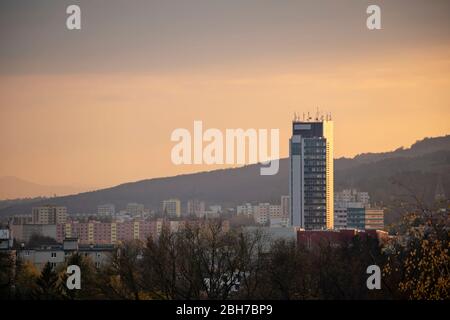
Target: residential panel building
x,y
262,213
196,208
106,210
96,232
172,207
374,219
135,209
352,210
49,214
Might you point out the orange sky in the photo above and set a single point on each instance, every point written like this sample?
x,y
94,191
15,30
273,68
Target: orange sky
x,y
95,118
100,130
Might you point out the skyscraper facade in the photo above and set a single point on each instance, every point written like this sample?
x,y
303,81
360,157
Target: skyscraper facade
x,y
311,184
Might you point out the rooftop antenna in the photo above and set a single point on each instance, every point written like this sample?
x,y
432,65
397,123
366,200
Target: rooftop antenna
x,y
309,118
303,116
317,114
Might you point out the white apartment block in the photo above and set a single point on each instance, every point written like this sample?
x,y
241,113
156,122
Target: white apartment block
x,y
135,209
215,208
246,209
262,214
57,255
275,211
196,207
172,207
106,210
352,196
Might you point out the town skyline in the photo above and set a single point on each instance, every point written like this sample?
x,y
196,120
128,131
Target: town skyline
x,y
12,187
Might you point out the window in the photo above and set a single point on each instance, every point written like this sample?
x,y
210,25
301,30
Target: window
x,y
296,148
53,255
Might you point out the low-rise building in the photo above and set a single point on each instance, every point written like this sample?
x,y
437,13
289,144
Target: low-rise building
x,y
313,238
57,255
352,210
279,222
107,232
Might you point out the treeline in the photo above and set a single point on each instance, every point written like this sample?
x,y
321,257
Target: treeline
x,y
205,262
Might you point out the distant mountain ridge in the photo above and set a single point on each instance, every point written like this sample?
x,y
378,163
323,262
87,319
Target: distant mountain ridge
x,y
418,167
14,187
421,147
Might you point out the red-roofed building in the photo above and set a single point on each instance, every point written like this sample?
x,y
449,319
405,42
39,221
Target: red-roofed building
x,y
313,238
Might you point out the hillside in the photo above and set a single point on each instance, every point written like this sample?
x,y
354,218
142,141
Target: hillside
x,y
418,167
13,188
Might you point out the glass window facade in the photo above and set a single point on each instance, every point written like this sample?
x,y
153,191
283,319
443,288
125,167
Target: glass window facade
x,y
311,175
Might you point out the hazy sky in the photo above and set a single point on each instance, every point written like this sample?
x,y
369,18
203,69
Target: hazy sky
x,y
96,107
